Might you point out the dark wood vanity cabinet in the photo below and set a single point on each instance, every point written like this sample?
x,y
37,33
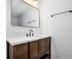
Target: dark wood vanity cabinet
x,y
39,49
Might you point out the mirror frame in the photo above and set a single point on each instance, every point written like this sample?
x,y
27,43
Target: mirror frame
x,y
26,26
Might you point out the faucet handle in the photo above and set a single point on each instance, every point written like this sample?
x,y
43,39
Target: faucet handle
x,y
32,34
27,35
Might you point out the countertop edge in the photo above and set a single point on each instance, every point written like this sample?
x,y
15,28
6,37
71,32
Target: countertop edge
x,y
17,43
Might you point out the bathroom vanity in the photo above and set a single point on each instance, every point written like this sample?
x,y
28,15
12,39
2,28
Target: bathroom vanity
x,y
24,14
29,48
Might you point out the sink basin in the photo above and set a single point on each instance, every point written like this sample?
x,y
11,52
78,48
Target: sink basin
x,y
23,39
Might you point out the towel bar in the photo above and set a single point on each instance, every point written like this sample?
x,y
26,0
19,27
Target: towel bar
x,y
70,11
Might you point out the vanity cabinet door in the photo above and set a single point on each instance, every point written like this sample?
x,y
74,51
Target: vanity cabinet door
x,y
20,51
41,47
47,44
44,47
34,50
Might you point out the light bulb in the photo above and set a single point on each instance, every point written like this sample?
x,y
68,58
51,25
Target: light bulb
x,y
35,2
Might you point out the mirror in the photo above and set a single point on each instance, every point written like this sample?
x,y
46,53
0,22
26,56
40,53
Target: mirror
x,y
24,14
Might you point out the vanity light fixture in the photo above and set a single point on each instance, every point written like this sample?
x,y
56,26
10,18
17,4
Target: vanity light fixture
x,y
31,2
35,2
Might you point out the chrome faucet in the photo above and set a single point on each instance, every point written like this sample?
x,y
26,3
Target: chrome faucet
x,y
31,32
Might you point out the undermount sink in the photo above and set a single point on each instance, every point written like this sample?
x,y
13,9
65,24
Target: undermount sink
x,y
22,39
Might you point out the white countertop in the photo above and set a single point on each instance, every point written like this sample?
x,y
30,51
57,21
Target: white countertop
x,y
23,39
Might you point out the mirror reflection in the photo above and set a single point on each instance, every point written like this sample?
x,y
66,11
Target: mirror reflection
x,y
24,14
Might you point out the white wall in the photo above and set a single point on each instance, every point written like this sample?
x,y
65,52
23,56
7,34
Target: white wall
x,y
59,26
